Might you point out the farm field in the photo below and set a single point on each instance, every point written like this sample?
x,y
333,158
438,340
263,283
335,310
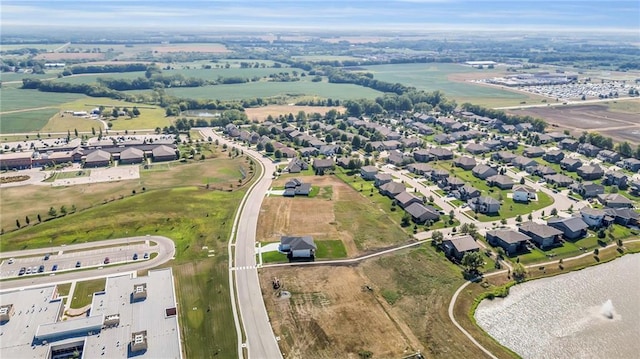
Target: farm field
x,y
334,217
450,79
93,78
261,113
27,121
271,89
12,98
617,120
8,77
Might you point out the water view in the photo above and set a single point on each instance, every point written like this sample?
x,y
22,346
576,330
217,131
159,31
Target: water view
x,y
592,313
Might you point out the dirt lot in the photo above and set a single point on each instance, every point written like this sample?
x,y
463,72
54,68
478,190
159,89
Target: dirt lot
x,y
56,56
261,113
331,314
616,124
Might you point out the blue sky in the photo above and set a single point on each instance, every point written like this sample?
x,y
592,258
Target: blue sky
x,y
415,15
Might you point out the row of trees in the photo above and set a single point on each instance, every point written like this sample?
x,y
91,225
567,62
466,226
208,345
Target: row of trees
x,y
538,124
101,69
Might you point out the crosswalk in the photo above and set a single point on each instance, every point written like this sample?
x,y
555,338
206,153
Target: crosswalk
x,y
243,268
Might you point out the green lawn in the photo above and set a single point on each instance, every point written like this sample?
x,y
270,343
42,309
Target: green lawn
x,y
28,121
12,98
83,293
330,249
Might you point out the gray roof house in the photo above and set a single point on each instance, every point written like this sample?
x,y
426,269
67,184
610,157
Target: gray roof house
x,y
298,247
631,164
440,153
421,213
615,200
500,181
368,172
465,162
570,164
405,199
559,179
511,241
569,144
392,189
523,194
587,189
593,217
572,227
321,165
503,156
609,156
466,192
419,168
589,172
476,148
541,234
622,216
616,178
523,162
483,171
457,247
553,156
533,152
422,155
588,149
297,165
485,205
381,178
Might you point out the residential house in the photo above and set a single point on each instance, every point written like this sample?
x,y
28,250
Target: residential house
x,y
322,165
476,148
587,189
131,155
588,149
503,156
485,205
594,217
570,164
288,152
505,128
296,165
298,247
509,142
465,162
615,200
368,172
543,138
557,136
97,158
343,162
329,150
559,180
397,158
295,187
543,235
439,175
419,168
522,162
616,178
524,126
553,156
423,129
392,189
443,139
541,170
523,194
631,164
457,247
451,183
492,145
569,144
422,155
589,172
511,241
500,181
622,216
411,142
405,199
381,178
533,152
483,171
572,227
308,151
466,192
609,156
421,213
440,153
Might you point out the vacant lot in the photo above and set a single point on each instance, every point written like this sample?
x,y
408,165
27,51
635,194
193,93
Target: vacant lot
x,y
452,79
338,212
261,113
620,123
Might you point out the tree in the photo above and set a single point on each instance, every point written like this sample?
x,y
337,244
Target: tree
x,y
472,261
521,180
530,217
328,138
368,148
437,237
519,272
27,220
452,216
406,219
356,143
269,147
52,212
39,218
503,221
18,223
519,218
277,154
554,212
260,147
75,131
135,111
63,210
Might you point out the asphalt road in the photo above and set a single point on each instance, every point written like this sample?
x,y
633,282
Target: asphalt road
x,y
93,257
260,339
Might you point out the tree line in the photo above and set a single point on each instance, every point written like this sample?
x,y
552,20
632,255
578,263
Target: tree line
x,y
100,69
538,124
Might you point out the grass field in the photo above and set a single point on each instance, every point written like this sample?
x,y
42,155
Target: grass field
x,y
83,292
12,98
27,121
271,89
17,77
261,113
450,79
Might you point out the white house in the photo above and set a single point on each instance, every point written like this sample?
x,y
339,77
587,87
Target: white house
x,y
523,194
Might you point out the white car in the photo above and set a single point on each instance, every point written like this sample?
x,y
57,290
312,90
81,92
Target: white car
x,y
11,260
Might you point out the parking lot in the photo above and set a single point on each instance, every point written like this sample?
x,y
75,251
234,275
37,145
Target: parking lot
x,y
58,260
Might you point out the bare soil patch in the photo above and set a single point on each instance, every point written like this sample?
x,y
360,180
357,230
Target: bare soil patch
x,y
261,113
331,314
55,56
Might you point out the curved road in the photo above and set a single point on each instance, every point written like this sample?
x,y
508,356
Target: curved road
x,y
165,249
260,340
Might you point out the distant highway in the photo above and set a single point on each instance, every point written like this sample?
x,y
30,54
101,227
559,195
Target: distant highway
x,y
93,256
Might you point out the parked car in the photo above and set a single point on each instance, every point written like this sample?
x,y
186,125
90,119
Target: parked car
x,y
106,260
146,256
135,256
11,260
78,264
34,270
46,256
41,268
22,271
54,268
28,271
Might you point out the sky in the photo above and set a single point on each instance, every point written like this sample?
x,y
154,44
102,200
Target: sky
x,y
392,15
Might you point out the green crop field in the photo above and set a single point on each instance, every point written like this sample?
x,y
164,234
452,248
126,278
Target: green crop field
x,y
270,89
12,99
449,78
213,73
27,121
93,78
13,77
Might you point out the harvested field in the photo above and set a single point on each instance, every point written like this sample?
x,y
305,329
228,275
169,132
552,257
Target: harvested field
x,y
261,113
57,56
620,125
208,48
